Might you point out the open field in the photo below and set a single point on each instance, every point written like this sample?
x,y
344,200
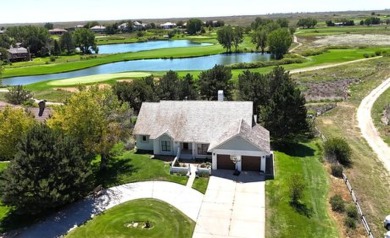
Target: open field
x,y
377,115
311,219
128,220
367,175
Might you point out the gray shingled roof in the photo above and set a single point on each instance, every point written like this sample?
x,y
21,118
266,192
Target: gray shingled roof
x,y
200,122
18,50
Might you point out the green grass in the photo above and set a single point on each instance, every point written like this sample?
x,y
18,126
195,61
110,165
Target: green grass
x,y
130,167
311,219
58,67
165,219
367,174
377,113
200,184
96,78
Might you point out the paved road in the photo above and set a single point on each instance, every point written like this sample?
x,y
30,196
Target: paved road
x,y
369,132
232,207
185,199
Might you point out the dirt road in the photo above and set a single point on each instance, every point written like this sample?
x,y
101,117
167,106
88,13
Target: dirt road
x,y
369,132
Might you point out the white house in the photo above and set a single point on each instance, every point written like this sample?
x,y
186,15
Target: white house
x,y
168,25
224,131
98,29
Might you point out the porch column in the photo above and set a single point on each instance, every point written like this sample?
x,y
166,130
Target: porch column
x,y
262,164
194,148
214,161
238,165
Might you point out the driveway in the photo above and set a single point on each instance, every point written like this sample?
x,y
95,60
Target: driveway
x,y
187,200
233,206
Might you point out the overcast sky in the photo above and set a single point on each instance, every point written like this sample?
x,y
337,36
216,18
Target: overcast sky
x,y
29,11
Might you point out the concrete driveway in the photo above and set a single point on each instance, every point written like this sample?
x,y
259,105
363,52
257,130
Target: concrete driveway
x,y
233,206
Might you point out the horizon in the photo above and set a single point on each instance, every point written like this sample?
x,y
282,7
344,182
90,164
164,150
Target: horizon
x,y
169,9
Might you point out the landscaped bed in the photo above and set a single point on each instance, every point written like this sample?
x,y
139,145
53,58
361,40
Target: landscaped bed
x,y
138,218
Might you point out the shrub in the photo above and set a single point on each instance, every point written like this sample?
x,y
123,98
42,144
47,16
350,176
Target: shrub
x,y
378,53
52,58
18,95
338,149
350,222
337,203
352,211
337,170
366,55
297,187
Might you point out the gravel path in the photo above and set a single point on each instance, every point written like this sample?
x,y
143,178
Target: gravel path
x,y
370,133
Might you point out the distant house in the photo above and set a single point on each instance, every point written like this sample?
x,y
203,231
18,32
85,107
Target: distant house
x,y
79,26
138,26
222,131
2,32
57,31
18,54
98,29
123,26
168,25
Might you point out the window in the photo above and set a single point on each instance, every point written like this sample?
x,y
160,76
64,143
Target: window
x,y
144,139
202,149
165,145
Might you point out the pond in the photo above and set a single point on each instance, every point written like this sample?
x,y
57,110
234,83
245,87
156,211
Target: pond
x,y
149,45
197,63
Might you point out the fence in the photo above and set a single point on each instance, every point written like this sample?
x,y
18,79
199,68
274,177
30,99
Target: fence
x,y
359,209
353,195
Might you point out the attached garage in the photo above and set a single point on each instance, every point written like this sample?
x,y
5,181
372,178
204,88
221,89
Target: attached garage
x,y
224,162
250,163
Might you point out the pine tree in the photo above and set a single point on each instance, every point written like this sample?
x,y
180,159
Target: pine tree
x,y
48,171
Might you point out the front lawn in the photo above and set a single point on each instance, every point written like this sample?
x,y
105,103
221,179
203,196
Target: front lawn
x,y
128,219
310,218
130,167
200,184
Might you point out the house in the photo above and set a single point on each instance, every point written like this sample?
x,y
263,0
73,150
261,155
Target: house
x,y
57,31
223,131
18,54
123,26
168,25
138,26
98,29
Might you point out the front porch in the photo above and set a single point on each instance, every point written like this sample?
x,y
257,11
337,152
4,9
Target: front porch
x,y
192,150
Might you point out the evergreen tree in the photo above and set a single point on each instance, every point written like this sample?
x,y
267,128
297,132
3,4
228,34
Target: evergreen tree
x,y
48,171
188,89
285,114
167,88
212,80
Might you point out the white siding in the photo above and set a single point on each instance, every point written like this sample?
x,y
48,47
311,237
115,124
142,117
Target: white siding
x,y
172,144
237,143
144,145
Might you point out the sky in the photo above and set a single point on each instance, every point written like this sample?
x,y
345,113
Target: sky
x,y
32,11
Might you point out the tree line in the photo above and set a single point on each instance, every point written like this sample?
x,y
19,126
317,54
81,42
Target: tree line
x,y
39,42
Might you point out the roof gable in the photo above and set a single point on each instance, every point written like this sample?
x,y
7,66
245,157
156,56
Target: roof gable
x,y
191,121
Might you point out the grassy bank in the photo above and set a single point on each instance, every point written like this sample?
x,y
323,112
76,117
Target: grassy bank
x,y
367,175
165,221
311,218
325,31
377,113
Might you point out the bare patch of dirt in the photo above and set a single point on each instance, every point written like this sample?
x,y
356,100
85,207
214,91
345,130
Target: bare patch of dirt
x,y
352,39
75,89
327,90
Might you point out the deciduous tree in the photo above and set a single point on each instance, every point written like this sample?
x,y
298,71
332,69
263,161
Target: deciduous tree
x,y
225,37
279,41
194,25
259,38
84,39
14,124
188,89
97,118
67,42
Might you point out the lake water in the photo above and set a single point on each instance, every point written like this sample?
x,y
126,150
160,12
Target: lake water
x,y
149,45
198,63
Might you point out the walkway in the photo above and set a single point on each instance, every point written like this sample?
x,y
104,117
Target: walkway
x,y
185,199
370,133
234,206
